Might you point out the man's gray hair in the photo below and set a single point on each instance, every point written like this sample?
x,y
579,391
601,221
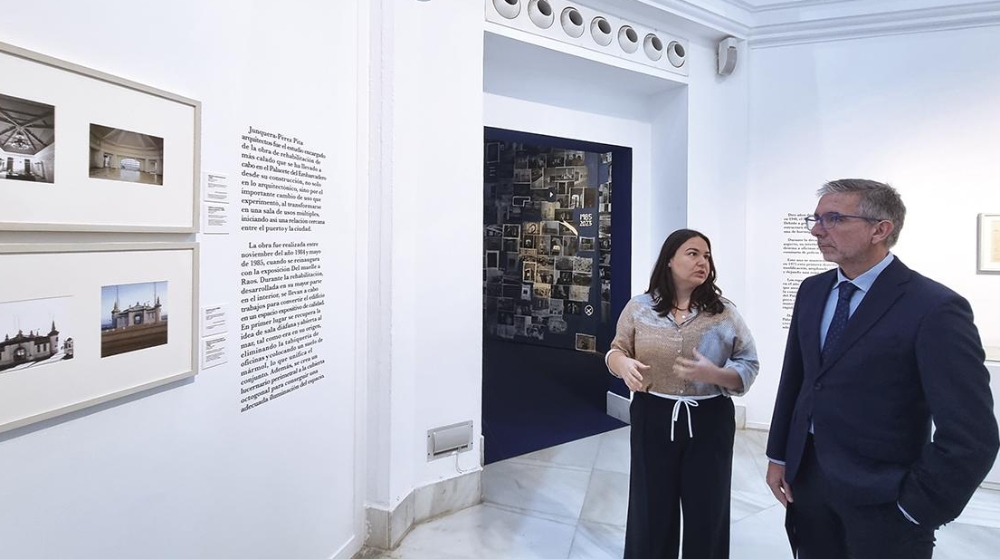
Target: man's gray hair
x,y
878,201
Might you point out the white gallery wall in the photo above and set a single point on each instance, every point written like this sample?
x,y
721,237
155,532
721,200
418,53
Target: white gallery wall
x,y
431,167
434,110
181,472
917,110
717,196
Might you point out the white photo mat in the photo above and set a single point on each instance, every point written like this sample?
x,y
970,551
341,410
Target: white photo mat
x,y
79,272
988,259
75,201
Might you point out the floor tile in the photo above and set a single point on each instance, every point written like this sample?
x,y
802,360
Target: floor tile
x,y
607,498
571,501
964,541
551,490
983,510
598,541
575,454
748,503
760,536
486,532
614,454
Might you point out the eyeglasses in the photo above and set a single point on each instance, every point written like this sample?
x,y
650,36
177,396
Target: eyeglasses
x,y
830,220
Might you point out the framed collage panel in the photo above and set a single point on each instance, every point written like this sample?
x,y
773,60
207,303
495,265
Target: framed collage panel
x,y
546,278
81,325
82,150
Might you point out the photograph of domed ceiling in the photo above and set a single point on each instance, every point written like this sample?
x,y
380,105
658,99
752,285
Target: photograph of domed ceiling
x,y
125,155
26,127
27,139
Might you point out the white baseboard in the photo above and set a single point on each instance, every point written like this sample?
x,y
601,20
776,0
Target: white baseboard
x,y
387,528
617,407
757,426
741,416
991,485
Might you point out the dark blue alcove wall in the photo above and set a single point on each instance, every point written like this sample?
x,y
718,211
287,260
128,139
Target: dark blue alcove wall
x,y
534,396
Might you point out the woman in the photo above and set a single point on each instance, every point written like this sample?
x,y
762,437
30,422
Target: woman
x,y
683,350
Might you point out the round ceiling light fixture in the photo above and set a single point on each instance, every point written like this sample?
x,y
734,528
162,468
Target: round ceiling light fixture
x,y
628,39
572,22
540,13
508,8
653,47
600,29
676,54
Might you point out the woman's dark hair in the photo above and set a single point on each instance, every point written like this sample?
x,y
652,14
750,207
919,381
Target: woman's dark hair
x,y
706,297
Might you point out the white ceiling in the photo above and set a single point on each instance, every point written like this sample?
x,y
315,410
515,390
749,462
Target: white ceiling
x,y
775,22
753,5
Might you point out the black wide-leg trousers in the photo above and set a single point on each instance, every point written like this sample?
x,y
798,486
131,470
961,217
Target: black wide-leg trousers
x,y
689,477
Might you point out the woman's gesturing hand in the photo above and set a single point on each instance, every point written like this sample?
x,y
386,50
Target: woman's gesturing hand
x,y
630,370
699,369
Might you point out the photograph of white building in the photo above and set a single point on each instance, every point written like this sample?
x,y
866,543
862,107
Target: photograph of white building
x,y
31,335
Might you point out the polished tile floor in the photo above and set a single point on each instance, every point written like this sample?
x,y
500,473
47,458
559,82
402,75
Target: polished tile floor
x,y
569,502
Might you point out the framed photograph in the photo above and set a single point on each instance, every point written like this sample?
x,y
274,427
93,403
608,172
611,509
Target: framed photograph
x,y
989,243
586,342
105,153
27,140
528,272
85,324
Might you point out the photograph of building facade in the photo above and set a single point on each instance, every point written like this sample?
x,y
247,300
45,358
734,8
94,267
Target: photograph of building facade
x,y
137,326
136,315
29,348
30,332
27,140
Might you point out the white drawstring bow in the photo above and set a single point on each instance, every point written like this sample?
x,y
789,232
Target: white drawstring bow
x,y
688,404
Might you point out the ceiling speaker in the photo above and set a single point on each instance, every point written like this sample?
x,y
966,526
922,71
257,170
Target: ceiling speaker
x,y
728,53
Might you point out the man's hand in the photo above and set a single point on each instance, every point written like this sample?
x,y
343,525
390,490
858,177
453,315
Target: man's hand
x,y
776,483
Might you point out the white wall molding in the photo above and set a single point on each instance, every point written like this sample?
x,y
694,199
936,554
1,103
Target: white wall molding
x,y
378,266
365,81
813,9
726,17
767,24
758,6
770,24
876,24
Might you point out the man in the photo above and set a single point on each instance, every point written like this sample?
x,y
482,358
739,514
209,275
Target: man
x,y
875,352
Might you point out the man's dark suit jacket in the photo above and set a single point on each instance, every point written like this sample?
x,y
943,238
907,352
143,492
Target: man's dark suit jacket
x,y
910,354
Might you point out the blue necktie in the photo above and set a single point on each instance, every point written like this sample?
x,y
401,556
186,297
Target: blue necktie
x,y
840,316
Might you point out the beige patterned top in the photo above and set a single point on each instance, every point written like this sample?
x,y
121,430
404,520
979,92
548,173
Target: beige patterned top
x,y
657,341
